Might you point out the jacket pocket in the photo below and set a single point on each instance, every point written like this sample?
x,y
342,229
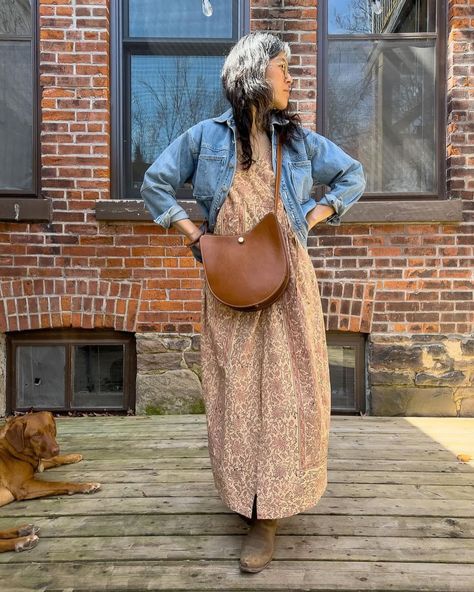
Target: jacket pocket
x,y
301,179
209,171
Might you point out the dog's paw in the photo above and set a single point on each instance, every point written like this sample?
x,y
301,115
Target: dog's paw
x,y
26,543
73,458
27,529
91,487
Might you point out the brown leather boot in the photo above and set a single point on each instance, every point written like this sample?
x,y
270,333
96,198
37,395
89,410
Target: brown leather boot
x,y
258,545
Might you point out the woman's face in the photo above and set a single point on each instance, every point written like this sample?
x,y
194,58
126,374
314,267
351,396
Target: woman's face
x,y
277,75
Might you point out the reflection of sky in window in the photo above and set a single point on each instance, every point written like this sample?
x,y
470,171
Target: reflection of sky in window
x,y
349,16
162,18
170,94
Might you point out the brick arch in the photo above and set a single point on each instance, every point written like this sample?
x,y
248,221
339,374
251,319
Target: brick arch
x,y
53,303
348,306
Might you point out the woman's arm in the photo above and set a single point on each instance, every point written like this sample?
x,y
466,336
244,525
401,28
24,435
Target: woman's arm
x,y
332,166
187,227
317,214
173,167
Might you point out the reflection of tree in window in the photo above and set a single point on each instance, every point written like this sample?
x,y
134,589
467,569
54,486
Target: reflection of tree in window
x,y
184,91
15,16
381,92
396,16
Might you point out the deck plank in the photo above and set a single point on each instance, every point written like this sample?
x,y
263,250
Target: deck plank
x,y
398,513
200,575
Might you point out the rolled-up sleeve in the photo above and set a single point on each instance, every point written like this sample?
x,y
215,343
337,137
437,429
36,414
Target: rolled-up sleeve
x,y
173,167
344,175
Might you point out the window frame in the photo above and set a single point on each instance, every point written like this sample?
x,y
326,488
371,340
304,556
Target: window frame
x,y
357,341
122,48
440,37
70,338
36,168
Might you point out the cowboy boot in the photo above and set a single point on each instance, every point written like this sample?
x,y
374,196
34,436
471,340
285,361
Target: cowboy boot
x,y
258,545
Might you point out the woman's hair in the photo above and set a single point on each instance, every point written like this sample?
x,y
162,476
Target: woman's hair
x,y
243,79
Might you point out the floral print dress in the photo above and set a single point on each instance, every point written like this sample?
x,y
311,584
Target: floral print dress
x,y
265,374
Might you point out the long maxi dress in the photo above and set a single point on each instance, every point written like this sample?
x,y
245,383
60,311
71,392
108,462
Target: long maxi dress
x,y
265,374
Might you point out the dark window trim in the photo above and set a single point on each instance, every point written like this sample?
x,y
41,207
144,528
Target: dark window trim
x,y
440,103
121,49
359,342
68,338
19,195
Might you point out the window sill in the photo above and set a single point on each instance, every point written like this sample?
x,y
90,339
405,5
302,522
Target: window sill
x,y
372,212
26,209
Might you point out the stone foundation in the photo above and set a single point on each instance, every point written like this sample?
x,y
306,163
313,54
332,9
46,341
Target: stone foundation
x,y
421,375
168,374
425,375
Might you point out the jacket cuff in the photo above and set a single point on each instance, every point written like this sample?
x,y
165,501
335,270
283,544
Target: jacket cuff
x,y
172,214
331,200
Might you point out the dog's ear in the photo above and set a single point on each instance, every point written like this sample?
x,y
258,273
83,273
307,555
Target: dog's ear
x,y
53,421
15,435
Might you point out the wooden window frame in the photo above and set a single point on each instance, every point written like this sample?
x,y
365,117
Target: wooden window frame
x,y
21,206
70,338
440,36
358,342
122,48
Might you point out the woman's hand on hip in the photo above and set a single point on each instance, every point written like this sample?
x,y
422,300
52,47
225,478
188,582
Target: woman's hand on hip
x,y
318,213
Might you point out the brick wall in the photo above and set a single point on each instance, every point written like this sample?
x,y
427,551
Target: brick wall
x,y
374,278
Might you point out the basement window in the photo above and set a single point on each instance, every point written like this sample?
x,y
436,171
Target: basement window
x,y
346,353
77,370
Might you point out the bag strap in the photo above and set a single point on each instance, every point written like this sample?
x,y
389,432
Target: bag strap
x,y
278,173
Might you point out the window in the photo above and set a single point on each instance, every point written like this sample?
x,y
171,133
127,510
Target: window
x,y
346,354
166,77
384,87
62,370
18,99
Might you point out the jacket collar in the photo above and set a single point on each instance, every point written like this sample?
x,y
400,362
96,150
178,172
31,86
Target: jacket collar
x,y
229,116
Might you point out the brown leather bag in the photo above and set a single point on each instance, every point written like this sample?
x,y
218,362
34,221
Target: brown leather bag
x,y
249,271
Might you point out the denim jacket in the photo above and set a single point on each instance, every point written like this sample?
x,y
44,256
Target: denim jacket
x,y
205,155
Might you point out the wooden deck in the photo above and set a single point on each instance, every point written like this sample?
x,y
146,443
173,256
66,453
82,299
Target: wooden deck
x,y
398,513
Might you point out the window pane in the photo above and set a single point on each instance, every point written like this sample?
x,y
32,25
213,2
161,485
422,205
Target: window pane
x,y
381,109
397,16
169,95
16,116
40,376
15,17
179,18
98,376
342,376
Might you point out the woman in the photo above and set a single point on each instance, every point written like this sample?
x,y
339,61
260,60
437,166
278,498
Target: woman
x,y
265,374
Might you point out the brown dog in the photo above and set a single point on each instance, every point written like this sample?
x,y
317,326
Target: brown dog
x,y
28,445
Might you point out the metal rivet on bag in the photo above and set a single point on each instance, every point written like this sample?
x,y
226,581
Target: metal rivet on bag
x,y
241,239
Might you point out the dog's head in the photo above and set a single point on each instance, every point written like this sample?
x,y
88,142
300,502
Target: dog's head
x,y
33,434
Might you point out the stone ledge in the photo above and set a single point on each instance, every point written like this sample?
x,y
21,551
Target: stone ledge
x,y
26,209
370,212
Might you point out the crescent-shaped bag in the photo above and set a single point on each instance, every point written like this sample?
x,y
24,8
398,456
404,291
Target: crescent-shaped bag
x,y
249,271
